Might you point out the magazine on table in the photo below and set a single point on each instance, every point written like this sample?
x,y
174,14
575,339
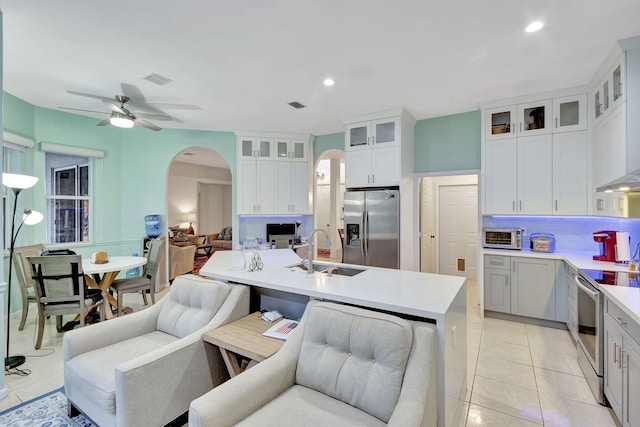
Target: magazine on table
x,y
281,330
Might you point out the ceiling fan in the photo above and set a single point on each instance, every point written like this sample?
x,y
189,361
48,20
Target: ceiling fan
x,y
120,115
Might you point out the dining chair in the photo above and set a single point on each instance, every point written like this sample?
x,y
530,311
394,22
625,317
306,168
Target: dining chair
x,y
144,282
23,273
60,289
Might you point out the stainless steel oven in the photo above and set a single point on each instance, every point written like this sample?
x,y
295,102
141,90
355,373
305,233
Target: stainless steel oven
x,y
590,344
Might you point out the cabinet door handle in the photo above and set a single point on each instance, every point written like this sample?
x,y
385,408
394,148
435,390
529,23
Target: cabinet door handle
x,y
520,205
556,205
520,126
513,205
258,207
368,179
373,178
373,140
621,322
622,357
616,359
556,123
513,127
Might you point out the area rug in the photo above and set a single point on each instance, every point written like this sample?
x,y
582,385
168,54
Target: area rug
x,y
47,410
198,262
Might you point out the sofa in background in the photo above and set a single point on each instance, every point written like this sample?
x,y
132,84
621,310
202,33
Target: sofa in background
x,y
342,366
221,241
143,369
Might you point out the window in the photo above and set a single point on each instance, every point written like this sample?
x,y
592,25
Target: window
x,y
68,198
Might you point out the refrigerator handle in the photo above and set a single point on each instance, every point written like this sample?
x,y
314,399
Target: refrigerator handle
x,y
366,235
363,236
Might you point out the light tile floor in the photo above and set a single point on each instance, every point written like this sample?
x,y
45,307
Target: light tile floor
x,y
525,375
521,375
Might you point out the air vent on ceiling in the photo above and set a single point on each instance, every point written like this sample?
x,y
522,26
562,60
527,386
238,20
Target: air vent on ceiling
x,y
157,79
297,105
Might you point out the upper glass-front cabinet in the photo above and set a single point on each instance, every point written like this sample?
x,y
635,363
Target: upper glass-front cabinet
x,y
255,148
534,118
570,113
500,122
291,149
369,134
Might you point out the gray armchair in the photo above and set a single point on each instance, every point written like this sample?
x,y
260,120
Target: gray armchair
x,y
145,368
342,366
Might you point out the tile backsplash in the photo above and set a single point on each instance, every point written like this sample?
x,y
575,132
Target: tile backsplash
x,y
573,234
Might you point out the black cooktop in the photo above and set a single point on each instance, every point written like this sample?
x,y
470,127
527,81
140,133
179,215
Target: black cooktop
x,y
614,278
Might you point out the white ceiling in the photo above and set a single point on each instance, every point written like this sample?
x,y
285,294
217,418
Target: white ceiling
x,y
236,64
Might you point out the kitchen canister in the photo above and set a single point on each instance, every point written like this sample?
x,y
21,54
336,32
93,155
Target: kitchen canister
x,y
542,242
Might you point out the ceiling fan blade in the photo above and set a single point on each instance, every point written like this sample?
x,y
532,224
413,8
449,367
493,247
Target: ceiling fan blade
x,y
146,124
90,95
80,109
154,116
104,122
170,106
114,107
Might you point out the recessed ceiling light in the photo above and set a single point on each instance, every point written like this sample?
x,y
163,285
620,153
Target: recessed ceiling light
x,y
328,82
533,27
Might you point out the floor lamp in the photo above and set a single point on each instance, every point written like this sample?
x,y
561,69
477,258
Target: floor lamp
x,y
17,183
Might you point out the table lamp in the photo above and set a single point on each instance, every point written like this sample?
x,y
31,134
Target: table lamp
x,y
17,183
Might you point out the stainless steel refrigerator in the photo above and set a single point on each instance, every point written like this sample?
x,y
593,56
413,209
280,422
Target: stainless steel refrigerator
x,y
372,228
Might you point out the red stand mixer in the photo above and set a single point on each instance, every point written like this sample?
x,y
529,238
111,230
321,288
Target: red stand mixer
x,y
614,246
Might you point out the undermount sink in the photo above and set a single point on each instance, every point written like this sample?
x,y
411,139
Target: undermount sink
x,y
330,269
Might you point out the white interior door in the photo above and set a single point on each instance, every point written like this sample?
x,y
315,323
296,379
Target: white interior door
x,y
428,227
458,230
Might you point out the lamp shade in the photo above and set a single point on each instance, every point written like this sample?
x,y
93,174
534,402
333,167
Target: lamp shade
x,y
30,217
191,217
17,181
120,120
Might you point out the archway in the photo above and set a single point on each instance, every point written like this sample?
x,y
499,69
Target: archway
x,y
329,200
199,195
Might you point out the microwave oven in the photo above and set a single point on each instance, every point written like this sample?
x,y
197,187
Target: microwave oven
x,y
502,238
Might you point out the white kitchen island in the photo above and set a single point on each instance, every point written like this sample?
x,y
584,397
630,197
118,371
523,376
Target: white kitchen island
x,y
433,297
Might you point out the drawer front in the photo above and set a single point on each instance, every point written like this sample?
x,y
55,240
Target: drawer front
x,y
622,319
497,261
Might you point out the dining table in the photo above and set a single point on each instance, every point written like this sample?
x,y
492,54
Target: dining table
x,y
101,276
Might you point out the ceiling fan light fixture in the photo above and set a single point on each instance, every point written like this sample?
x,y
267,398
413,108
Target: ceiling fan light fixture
x,y
120,120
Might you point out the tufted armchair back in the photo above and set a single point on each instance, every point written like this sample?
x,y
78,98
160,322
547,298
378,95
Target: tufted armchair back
x,y
190,305
356,356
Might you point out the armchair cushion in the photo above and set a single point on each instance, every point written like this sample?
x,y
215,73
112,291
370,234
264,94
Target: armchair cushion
x,y
358,359
190,307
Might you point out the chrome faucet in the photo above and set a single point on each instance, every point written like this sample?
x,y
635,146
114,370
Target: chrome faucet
x,y
311,249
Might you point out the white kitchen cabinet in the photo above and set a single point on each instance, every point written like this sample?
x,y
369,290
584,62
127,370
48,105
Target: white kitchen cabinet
x,y
570,113
379,149
535,175
533,282
501,122
536,157
500,171
292,184
609,91
524,286
622,364
373,133
572,301
570,173
518,176
273,175
255,148
291,150
256,181
497,284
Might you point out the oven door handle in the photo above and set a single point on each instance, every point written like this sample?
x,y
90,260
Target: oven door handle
x,y
592,294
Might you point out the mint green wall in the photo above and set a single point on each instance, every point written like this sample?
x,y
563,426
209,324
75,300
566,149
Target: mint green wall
x,y
448,143
322,143
442,144
129,182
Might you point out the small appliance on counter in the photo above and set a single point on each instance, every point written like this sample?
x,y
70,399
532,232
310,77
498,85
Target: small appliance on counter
x,y
502,238
614,246
542,242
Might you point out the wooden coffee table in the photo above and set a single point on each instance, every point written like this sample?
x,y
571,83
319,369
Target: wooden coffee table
x,y
243,337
